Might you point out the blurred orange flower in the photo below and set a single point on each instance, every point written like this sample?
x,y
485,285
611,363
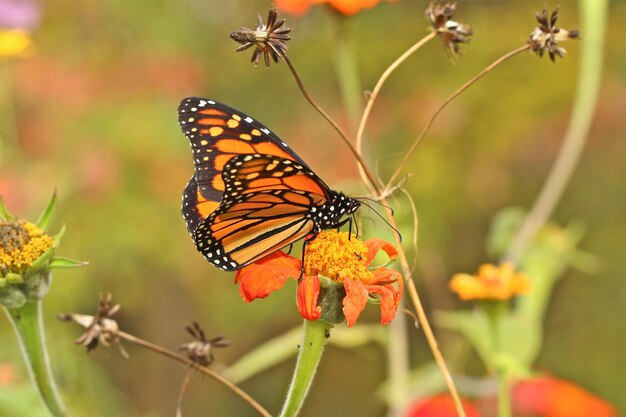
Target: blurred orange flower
x,y
441,405
548,396
545,396
347,7
331,259
491,283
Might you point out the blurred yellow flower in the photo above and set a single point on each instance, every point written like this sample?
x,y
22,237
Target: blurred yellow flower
x,y
491,283
14,42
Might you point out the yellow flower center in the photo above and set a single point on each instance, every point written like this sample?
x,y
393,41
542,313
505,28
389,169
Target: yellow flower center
x,y
337,256
21,243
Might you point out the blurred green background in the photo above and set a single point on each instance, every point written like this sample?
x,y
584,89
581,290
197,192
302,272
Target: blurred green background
x,y
92,113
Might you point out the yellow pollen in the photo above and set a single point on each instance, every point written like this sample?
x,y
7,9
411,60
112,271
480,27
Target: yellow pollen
x,y
334,255
21,243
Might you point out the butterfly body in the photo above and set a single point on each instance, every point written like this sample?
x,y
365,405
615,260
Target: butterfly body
x,y
250,195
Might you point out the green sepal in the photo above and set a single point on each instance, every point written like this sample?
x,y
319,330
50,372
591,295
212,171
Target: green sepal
x,y
12,297
56,239
39,263
13,278
61,262
37,287
4,213
48,214
331,301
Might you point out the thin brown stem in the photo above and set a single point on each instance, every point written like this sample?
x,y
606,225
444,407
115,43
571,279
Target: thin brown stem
x,y
434,347
368,174
182,392
381,81
422,318
445,103
172,355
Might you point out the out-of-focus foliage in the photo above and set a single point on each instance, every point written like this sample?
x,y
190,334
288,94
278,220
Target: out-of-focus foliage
x,y
93,112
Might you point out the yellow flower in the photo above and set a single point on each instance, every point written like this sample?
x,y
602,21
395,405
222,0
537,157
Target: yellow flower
x,y
21,243
14,42
491,283
27,255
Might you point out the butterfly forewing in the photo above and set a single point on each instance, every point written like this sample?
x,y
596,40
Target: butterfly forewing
x,y
217,133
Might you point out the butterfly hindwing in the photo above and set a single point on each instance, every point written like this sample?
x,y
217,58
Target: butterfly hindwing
x,y
253,225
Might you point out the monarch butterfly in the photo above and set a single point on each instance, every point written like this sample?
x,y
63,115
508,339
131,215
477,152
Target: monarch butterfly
x,y
250,195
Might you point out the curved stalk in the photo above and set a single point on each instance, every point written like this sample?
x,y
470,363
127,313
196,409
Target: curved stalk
x,y
593,14
28,325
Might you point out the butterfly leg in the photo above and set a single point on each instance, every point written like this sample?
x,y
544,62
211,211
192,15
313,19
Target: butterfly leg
x,y
344,221
290,248
304,243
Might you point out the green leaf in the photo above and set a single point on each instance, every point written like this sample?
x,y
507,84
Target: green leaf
x,y
61,262
4,213
48,214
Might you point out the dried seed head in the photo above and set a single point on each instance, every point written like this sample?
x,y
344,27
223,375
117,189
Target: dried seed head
x,y
199,350
546,36
268,39
450,32
99,329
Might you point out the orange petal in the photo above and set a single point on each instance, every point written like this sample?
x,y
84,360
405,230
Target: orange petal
x,y
374,245
308,292
269,274
388,304
354,301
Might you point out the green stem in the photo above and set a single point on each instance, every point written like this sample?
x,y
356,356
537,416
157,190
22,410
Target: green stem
x,y
504,395
495,310
28,325
347,72
308,358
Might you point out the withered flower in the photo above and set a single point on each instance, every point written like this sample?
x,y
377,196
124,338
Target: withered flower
x,y
100,329
268,39
547,36
450,32
199,350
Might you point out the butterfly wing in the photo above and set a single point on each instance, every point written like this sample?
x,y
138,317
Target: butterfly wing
x,y
217,133
267,205
195,208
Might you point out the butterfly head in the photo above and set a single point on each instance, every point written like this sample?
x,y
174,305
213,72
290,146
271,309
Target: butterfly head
x,y
329,215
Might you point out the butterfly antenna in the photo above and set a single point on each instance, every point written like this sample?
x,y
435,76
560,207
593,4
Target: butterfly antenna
x,y
377,202
381,216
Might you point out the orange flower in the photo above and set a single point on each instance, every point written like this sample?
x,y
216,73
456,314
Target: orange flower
x,y
545,396
441,405
491,283
335,268
548,396
347,7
